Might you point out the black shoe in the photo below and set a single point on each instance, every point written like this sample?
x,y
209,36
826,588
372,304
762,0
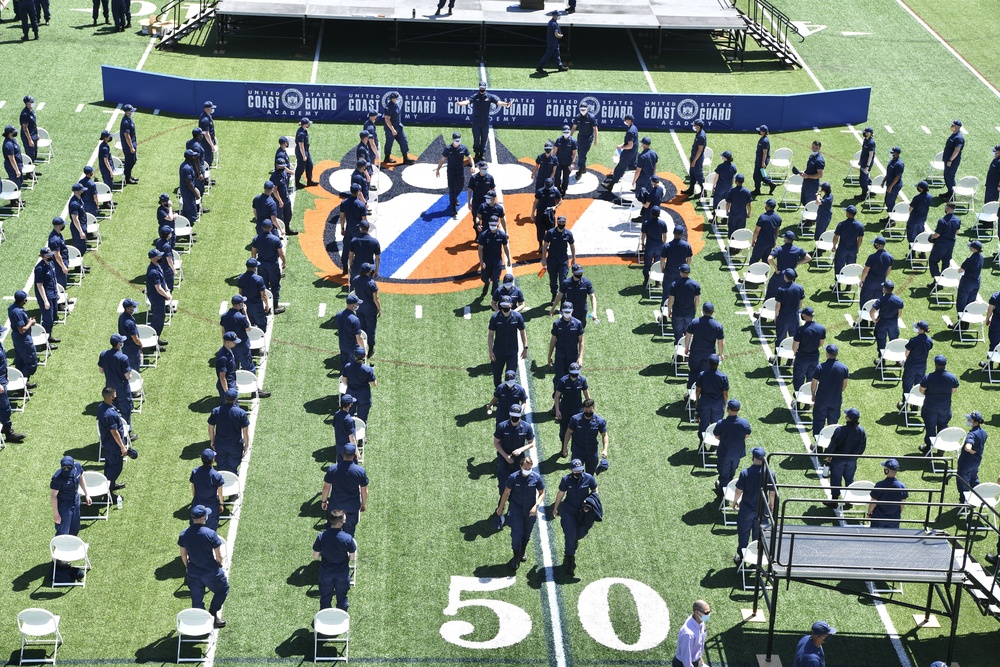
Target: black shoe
x,y
205,209
292,232
609,186
755,193
571,10
263,394
637,218
218,622
106,21
13,436
830,504
524,557
279,310
162,342
53,347
737,559
407,160
53,339
563,68
899,406
299,186
86,269
992,559
132,181
24,38
515,562
486,289
449,11
847,506
310,184
31,385
932,285
537,69
437,13
95,21
117,485
946,195
127,25
133,436
924,449
389,160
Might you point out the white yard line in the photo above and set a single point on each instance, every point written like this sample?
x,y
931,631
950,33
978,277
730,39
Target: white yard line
x,y
319,45
322,310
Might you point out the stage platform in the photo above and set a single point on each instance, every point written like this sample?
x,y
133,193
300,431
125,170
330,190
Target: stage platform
x,y
865,554
704,15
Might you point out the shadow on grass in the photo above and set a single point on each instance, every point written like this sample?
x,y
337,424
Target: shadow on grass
x,y
476,414
553,464
326,455
724,578
479,470
324,405
481,529
479,371
161,650
84,453
172,569
497,571
204,405
37,573
311,507
664,369
91,409
701,516
192,452
304,576
299,643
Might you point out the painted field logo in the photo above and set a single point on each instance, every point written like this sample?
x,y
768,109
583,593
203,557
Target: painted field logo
x,y
292,98
426,251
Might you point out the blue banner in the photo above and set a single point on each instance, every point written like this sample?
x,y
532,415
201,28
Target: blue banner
x,y
529,108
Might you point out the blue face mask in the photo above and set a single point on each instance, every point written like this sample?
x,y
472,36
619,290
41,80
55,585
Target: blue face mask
x,y
705,617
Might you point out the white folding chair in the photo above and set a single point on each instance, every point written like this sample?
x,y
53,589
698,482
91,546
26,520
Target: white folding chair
x,y
824,437
64,304
661,318
230,488
117,174
781,163
44,145
655,289
864,325
705,199
875,201
707,156
890,361
748,565
246,385
691,404
17,389
720,218
854,169
935,173
911,407
946,286
178,267
784,357
848,283
964,193
739,243
149,347
990,494
194,626
104,197
361,435
709,445
992,365
183,234
726,506
808,218
986,221
137,387
93,231
331,626
802,405
754,279
766,317
948,441
255,336
40,339
971,325
98,486
920,249
69,549
895,226
28,175
793,189
35,626
824,246
858,495
74,267
680,361
169,308
10,194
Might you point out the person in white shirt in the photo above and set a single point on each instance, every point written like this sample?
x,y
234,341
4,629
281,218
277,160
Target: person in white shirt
x,y
691,638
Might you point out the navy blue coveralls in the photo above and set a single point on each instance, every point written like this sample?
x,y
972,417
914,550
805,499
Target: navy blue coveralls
x,y
682,313
732,432
108,420
512,436
887,327
229,421
915,366
481,103
968,464
505,330
203,571
830,376
523,496
705,333
346,479
809,337
207,481
575,488
267,246
359,377
944,244
455,158
334,546
157,302
67,484
584,124
234,320
936,411
225,362
557,256
116,369
849,439
585,441
713,384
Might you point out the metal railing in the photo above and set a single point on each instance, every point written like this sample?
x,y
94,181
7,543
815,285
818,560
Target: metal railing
x,y
769,26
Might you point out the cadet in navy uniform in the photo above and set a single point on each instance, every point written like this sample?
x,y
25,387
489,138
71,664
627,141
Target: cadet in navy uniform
x,y
749,486
547,201
481,103
583,431
876,271
29,17
235,319
126,130
359,378
893,180
652,240
266,248
577,290
115,368
732,432
207,125
165,212
253,289
190,194
335,549
971,270
545,166
847,441
111,429
885,315
574,489
97,4
5,410
25,352
866,161
225,364
90,190
738,203
788,302
361,176
809,338
991,186
481,183
703,337
370,308
201,555
128,329
971,456
682,302
711,394
952,157
762,158
349,330
29,123
265,207
509,290
765,233
457,157
919,207
511,439
157,294
165,244
206,488
943,239
724,174
915,364
813,173
565,152
824,214
847,239
553,33
629,153
494,255
344,426
558,252
46,290
118,14
652,196
585,127
369,126
696,173
507,393
352,212
886,507
12,162
104,159
490,209
394,130
282,154
505,327
938,387
66,485
365,248
571,390
809,650
366,150
525,489
566,341
829,381
303,157
645,167
229,432
345,488
786,256
280,179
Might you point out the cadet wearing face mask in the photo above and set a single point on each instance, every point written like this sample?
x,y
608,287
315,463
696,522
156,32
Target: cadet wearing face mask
x,y
488,210
574,489
577,291
494,255
583,431
526,491
547,200
481,183
571,390
507,394
813,174
482,104
545,165
511,438
893,180
566,341
505,327
558,252
629,152
915,365
511,291
565,152
971,456
457,157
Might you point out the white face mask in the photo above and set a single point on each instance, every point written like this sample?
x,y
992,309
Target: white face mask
x,y
456,142
509,383
568,315
705,617
565,134
489,200
814,154
525,472
493,227
507,286
970,423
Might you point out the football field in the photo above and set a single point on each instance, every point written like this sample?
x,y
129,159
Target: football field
x,y
433,582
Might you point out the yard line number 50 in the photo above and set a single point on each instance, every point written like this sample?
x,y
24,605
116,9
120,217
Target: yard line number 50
x,y
593,607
